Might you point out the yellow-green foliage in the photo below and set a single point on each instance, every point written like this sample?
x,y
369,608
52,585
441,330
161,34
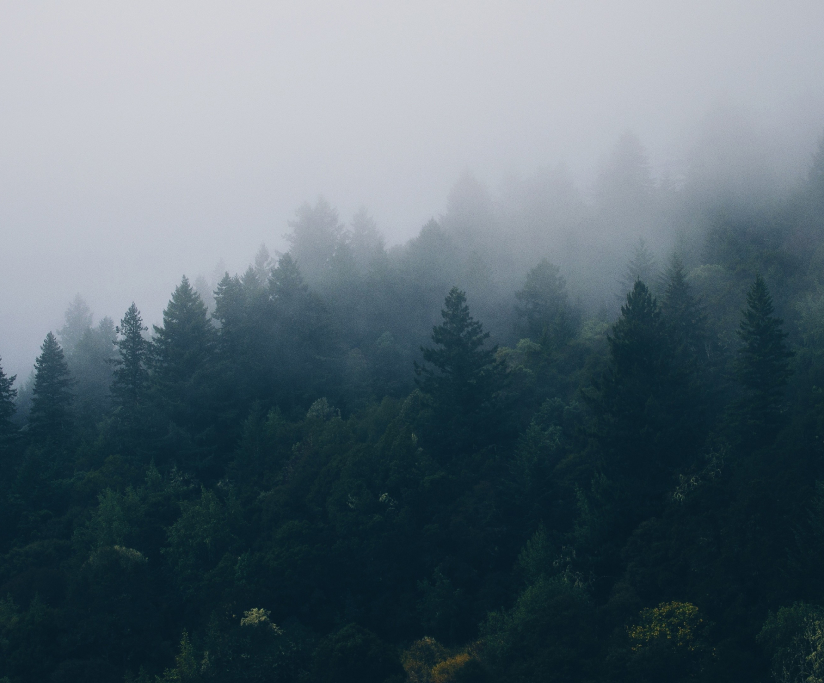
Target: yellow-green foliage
x,y
675,623
419,659
427,661
444,672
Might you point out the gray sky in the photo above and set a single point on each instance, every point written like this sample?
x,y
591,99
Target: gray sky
x,y
142,140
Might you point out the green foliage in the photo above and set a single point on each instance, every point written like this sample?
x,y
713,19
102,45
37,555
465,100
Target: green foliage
x,y
50,419
8,393
545,305
131,376
354,654
794,638
763,362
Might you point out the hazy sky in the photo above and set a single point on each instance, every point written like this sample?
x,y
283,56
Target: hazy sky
x,y
142,140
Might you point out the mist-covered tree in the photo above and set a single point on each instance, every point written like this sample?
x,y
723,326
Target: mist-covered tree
x,y
367,245
78,319
460,375
50,418
637,428
641,266
91,368
130,381
182,353
301,345
763,364
682,312
315,238
544,304
184,343
8,394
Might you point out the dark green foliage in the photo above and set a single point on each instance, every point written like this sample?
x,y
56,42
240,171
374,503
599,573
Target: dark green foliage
x,y
463,379
763,366
130,383
544,304
640,267
50,419
7,408
355,655
269,498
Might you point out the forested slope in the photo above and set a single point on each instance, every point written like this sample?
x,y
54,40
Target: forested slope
x,y
440,461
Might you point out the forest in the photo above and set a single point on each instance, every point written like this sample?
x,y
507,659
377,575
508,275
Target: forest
x,y
550,438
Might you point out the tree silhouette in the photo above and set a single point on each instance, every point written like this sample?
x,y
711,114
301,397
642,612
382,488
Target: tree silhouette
x,y
763,364
50,416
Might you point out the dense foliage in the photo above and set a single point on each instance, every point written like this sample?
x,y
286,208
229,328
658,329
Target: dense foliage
x,y
439,462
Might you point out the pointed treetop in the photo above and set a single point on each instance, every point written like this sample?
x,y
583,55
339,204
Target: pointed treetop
x,y
51,396
8,394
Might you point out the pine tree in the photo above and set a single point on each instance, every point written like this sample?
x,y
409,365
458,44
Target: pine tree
x,y
633,404
183,345
640,267
7,407
182,362
763,364
131,375
682,312
464,378
544,304
50,416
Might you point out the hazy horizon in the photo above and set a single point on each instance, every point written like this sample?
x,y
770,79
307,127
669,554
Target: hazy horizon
x,y
146,142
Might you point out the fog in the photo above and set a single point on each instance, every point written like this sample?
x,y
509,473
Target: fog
x,y
141,142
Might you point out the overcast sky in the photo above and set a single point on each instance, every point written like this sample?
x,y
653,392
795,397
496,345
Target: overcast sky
x,y
140,141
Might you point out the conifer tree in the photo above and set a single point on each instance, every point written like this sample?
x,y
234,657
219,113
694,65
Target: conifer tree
x,y
50,416
637,427
464,377
7,407
544,303
182,355
763,364
682,312
183,345
131,376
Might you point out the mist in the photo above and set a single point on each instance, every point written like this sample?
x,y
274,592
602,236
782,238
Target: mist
x,y
143,142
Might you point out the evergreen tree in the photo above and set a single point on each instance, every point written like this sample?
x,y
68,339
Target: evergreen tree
x,y
464,378
78,319
131,375
7,407
50,416
637,428
763,364
182,355
183,345
640,267
315,238
91,367
682,312
544,303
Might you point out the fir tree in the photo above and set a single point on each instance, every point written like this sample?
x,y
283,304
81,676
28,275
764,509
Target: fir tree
x,y
640,267
763,364
183,345
682,312
183,374
131,376
544,304
50,416
7,407
464,377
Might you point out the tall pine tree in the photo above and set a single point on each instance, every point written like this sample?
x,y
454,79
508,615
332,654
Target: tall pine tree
x,y
50,419
8,394
131,376
763,364
463,378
